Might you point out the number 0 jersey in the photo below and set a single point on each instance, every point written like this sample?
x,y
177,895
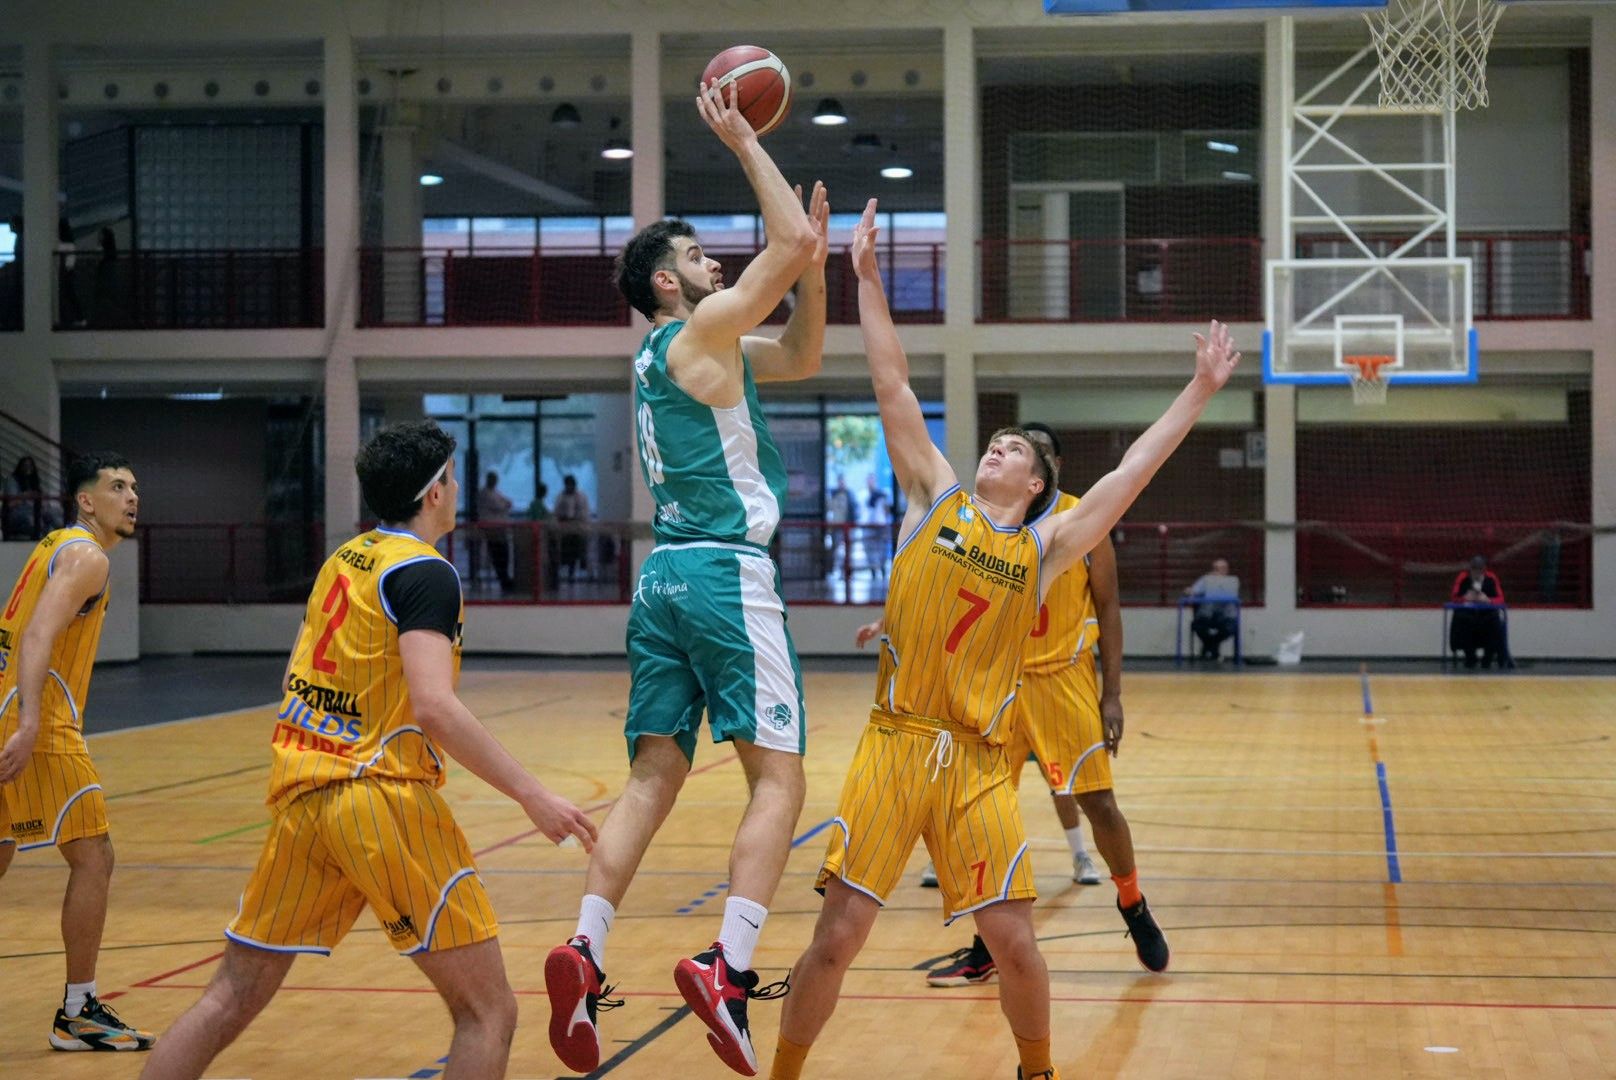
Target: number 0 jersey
x,y
61,718
715,473
962,600
347,709
1067,625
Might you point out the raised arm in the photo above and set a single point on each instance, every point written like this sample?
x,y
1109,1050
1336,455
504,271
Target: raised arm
x,y
922,470
1071,534
78,572
798,352
789,238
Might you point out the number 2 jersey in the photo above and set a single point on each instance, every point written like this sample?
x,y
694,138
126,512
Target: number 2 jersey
x,y
67,682
715,473
347,711
962,600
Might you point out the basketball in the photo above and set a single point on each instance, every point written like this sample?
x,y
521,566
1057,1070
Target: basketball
x,y
764,84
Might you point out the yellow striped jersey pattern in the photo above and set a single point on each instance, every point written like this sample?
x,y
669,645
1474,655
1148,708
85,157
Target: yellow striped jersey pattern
x,y
1067,626
61,721
347,708
963,597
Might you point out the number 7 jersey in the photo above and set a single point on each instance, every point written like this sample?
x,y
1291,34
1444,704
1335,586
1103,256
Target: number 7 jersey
x,y
962,600
346,712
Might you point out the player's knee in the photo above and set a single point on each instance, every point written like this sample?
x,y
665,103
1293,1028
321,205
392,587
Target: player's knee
x,y
835,946
91,855
1100,807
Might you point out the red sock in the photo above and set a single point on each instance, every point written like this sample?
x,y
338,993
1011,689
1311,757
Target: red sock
x,y
1128,889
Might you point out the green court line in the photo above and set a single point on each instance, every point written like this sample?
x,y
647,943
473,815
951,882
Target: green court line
x,y
231,832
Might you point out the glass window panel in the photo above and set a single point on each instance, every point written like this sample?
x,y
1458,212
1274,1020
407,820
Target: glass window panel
x,y
505,447
453,234
498,405
500,232
726,231
577,234
619,228
446,404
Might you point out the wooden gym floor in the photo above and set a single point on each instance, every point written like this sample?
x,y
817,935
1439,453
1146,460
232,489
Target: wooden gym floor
x,y
1403,875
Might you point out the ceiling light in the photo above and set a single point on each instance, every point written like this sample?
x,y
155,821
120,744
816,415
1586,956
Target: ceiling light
x,y
897,172
830,113
430,179
617,147
1236,176
1222,147
566,115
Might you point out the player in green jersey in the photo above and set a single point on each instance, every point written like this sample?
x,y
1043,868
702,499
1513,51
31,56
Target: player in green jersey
x,y
707,628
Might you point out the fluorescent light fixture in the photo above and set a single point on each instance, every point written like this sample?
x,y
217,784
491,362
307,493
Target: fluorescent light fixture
x,y
830,113
430,179
1236,175
198,395
616,150
1222,147
897,172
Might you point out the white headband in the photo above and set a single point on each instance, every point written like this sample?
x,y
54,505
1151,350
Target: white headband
x,y
437,476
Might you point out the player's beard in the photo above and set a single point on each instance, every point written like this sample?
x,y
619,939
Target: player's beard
x,y
692,293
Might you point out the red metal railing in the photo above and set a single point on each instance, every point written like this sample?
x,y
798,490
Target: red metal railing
x,y
519,562
1413,564
265,288
1515,275
443,287
1160,280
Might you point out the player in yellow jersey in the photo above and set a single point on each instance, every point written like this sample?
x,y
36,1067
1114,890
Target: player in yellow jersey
x,y
966,585
1072,723
369,710
50,793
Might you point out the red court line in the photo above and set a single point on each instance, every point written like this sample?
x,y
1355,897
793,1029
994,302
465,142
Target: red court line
x,y
519,837
954,998
179,970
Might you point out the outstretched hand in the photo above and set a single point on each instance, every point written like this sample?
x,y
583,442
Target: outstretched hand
x,y
724,116
863,249
1215,356
819,218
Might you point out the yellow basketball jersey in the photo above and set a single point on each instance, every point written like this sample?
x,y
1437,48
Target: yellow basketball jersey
x,y
61,720
347,710
963,597
1067,626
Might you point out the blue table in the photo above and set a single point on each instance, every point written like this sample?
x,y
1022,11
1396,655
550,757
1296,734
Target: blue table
x,y
1505,661
1193,602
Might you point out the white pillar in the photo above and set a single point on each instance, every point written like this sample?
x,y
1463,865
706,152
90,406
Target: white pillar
x,y
401,214
29,378
961,203
646,195
1263,629
1602,162
341,283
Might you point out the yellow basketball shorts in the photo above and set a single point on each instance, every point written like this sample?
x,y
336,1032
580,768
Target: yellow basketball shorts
x,y
392,844
916,778
56,799
1058,722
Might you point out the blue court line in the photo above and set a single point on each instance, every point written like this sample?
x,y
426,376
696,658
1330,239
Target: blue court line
x,y
811,833
722,885
428,1073
1394,872
1363,677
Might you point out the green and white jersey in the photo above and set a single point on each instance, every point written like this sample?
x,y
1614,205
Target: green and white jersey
x,y
715,473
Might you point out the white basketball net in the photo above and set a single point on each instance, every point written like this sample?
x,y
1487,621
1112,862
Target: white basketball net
x,y
1433,53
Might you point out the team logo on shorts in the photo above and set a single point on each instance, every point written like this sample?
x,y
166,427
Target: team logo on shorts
x,y
779,715
949,539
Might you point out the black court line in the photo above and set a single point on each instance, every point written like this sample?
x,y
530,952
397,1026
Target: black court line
x,y
261,767
667,1024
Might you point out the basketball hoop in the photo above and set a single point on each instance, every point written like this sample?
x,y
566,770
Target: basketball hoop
x,y
1368,384
1433,53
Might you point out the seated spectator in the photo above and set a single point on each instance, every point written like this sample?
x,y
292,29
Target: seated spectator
x,y
28,514
1478,628
1214,623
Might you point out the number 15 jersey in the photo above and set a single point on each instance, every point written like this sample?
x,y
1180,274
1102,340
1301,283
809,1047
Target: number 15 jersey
x,y
347,711
963,598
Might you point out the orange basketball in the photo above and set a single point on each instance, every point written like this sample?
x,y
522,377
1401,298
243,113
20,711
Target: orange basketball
x,y
764,84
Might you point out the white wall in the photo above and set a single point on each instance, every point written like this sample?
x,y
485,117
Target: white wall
x,y
828,630
120,636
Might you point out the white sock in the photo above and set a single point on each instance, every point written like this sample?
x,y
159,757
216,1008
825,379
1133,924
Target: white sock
x,y
73,1000
595,914
743,922
1074,840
